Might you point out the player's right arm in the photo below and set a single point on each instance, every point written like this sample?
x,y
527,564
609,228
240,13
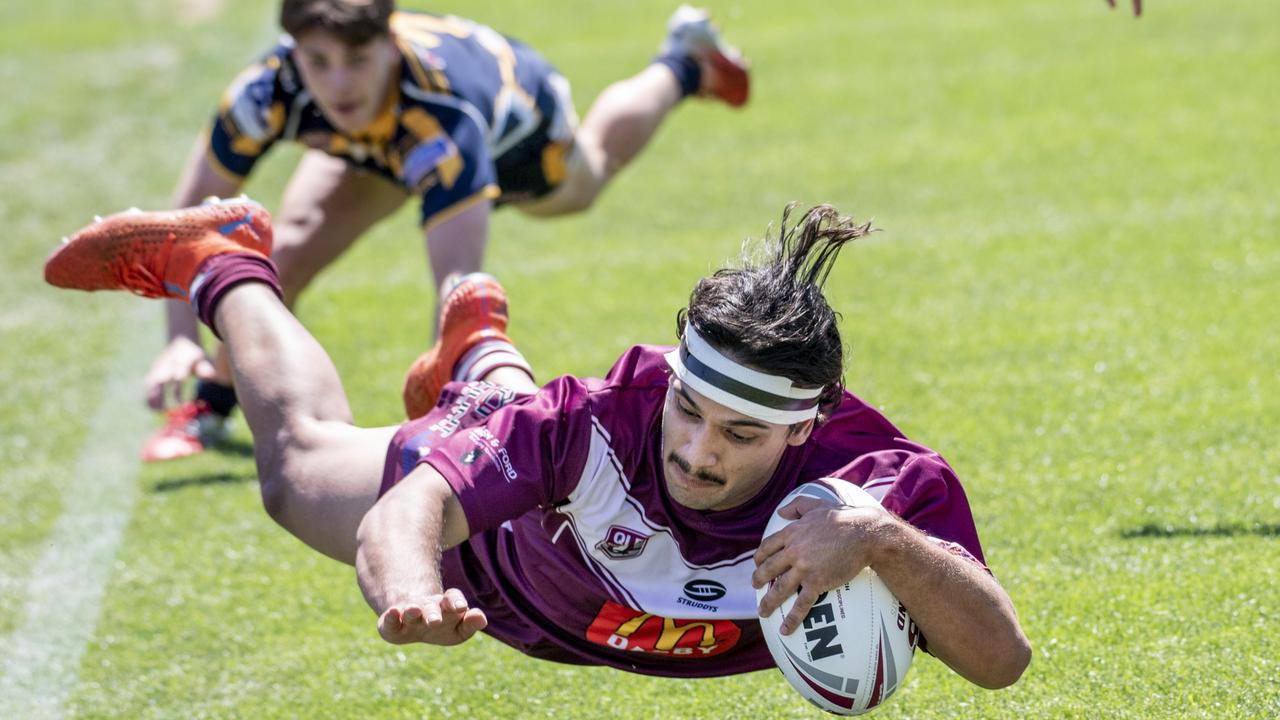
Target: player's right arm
x,y
250,118
398,549
200,178
183,356
524,452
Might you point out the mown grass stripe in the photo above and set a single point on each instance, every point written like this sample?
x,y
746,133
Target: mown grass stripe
x,y
64,591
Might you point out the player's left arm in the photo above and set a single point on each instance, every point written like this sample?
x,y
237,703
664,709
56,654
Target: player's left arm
x,y
451,164
968,619
456,238
398,562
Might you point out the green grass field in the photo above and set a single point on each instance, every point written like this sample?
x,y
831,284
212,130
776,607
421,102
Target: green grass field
x,y
1074,300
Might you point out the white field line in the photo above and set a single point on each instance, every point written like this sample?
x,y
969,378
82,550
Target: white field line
x,y
41,657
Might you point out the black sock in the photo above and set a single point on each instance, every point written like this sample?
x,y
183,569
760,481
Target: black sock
x,y
687,71
220,398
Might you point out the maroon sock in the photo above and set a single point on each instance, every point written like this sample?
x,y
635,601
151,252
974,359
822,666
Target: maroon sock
x,y
220,273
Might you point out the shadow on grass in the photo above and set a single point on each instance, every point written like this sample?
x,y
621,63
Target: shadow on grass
x,y
201,481
238,448
1152,530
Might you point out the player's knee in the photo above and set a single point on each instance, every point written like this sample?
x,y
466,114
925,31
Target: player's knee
x,y
298,220
586,173
575,196
580,202
273,481
273,501
274,489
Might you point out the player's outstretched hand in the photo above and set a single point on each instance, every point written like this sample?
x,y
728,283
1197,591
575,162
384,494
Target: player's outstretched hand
x,y
181,358
438,620
827,546
1137,7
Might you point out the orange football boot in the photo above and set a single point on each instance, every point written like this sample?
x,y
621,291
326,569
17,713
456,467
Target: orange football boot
x,y
473,310
188,430
725,72
157,254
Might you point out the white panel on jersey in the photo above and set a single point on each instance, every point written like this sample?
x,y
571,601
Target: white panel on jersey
x,y
632,553
879,487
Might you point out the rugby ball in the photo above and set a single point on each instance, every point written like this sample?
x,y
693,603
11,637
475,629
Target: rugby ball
x,y
857,641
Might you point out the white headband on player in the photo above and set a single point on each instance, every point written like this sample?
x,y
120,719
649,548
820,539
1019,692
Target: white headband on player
x,y
771,398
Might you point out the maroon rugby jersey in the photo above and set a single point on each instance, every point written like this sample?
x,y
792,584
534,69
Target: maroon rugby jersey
x,y
579,555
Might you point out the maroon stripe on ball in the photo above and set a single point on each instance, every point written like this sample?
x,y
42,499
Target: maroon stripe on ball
x,y
877,690
836,699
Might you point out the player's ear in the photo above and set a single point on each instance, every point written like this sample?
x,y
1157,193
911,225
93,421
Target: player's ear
x,y
799,432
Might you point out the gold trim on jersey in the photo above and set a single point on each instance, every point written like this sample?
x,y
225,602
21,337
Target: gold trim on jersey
x,y
428,78
425,31
242,144
488,192
555,162
411,29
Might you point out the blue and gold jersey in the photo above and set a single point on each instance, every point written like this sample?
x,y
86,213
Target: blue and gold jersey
x,y
472,114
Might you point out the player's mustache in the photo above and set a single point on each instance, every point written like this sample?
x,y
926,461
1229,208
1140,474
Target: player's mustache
x,y
687,469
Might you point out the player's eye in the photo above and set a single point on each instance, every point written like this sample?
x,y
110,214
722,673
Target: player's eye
x,y
739,438
686,411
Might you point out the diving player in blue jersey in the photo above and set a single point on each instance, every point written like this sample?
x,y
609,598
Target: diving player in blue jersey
x,y
395,104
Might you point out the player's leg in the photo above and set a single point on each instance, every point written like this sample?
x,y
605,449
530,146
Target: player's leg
x,y
473,344
623,119
319,474
327,205
619,124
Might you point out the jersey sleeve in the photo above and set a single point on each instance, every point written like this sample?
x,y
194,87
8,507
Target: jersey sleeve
x,y
250,117
448,163
922,489
525,454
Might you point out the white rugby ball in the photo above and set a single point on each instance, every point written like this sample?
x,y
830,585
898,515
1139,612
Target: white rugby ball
x,y
857,641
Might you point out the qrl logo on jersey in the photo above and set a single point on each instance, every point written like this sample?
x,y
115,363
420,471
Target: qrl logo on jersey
x,y
621,543
623,628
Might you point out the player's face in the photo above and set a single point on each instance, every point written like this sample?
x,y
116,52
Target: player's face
x,y
349,82
715,458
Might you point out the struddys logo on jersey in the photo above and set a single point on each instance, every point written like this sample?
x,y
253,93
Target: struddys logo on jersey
x,y
630,630
702,594
480,399
622,543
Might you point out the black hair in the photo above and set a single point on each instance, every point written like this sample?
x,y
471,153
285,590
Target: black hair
x,y
770,313
356,22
